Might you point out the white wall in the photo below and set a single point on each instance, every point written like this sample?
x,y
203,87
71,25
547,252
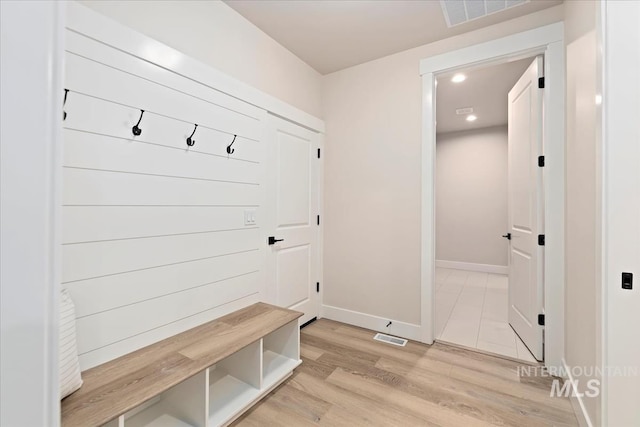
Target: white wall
x,y
621,210
372,176
154,239
31,87
471,196
582,188
215,34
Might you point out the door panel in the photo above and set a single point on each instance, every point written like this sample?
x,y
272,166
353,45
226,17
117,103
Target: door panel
x,y
292,194
521,158
525,266
293,275
521,263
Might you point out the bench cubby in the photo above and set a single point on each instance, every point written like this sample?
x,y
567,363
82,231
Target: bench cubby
x,y
280,354
234,383
204,377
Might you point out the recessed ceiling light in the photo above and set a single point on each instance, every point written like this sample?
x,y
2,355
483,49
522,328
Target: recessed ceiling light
x,y
471,118
458,78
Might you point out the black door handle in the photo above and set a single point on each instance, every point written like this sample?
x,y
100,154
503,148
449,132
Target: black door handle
x,y
507,236
273,240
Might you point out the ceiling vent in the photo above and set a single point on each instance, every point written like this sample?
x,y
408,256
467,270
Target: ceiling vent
x,y
466,110
457,12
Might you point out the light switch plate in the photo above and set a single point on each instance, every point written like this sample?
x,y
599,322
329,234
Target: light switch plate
x,y
250,217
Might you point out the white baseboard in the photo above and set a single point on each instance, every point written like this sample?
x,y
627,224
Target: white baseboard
x,y
576,400
375,323
470,266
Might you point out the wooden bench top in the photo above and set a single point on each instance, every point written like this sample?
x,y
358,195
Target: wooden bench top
x,y
115,387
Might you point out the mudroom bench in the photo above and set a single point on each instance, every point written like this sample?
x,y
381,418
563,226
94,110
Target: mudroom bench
x,y
204,377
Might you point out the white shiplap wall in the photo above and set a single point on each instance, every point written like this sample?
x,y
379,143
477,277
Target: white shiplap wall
x,y
154,238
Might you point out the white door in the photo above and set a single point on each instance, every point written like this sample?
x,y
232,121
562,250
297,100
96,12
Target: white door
x,y
525,216
292,205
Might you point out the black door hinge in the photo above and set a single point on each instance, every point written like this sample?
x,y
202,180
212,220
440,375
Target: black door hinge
x,y
540,239
318,219
317,286
541,319
541,161
541,82
318,153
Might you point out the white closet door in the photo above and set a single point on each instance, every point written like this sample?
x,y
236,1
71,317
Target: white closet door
x,y
292,207
525,262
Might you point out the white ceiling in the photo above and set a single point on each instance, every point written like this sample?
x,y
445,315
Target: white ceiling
x,y
485,89
330,35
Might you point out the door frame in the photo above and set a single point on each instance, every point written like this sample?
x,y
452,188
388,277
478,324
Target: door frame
x,y
31,207
548,41
617,136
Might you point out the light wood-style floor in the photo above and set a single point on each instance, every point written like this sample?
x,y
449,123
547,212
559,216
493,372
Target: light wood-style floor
x,y
347,379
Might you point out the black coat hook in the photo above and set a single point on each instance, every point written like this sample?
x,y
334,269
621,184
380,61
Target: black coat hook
x,y
191,142
64,113
136,130
229,149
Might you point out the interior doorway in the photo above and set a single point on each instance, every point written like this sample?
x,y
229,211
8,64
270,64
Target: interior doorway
x,y
548,42
473,201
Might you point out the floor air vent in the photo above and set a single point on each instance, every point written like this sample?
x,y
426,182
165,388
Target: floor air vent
x,y
390,340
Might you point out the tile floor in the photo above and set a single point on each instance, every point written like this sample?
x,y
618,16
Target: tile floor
x,y
471,310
